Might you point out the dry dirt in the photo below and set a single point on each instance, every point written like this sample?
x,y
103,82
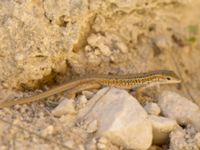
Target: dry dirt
x,y
46,42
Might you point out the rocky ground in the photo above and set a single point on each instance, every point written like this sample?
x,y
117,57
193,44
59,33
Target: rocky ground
x,y
44,43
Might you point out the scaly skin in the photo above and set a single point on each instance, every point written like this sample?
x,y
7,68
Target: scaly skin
x,y
133,81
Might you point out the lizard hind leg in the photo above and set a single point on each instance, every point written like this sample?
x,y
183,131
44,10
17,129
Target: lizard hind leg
x,y
141,95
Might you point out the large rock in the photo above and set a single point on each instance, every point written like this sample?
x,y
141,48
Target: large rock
x,y
120,118
179,108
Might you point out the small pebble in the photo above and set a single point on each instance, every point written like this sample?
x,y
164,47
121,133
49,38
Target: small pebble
x,y
81,147
88,94
103,140
152,109
92,127
69,144
197,139
81,101
65,107
48,130
19,56
101,146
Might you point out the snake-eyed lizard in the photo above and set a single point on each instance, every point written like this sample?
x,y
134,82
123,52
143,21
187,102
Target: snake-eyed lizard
x,y
133,81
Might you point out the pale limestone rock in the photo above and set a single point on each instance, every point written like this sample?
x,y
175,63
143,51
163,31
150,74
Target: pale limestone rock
x,y
81,147
4,127
91,145
161,128
197,139
120,118
184,139
88,94
102,143
65,107
48,131
67,120
103,140
19,57
107,44
81,101
101,146
70,144
152,108
179,108
92,127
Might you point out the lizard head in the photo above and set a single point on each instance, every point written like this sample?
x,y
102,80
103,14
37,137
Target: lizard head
x,y
168,77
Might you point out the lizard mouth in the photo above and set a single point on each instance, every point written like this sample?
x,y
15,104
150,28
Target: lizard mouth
x,y
175,81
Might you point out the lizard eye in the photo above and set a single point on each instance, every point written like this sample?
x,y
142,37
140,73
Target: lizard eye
x,y
168,78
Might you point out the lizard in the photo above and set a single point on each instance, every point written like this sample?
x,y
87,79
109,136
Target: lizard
x,y
136,81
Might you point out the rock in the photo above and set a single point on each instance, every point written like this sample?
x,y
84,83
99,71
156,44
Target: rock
x,y
121,118
197,139
179,108
102,143
81,101
184,139
48,131
161,129
92,127
88,94
81,147
155,147
65,107
101,146
4,127
103,140
70,144
91,145
67,120
152,108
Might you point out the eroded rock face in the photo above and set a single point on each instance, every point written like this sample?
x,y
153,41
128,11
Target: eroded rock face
x,y
179,108
35,39
120,118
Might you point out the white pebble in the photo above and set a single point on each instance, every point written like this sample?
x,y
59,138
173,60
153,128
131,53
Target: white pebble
x,y
81,101
101,146
103,140
92,127
48,130
19,56
88,94
152,109
65,107
197,139
69,144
